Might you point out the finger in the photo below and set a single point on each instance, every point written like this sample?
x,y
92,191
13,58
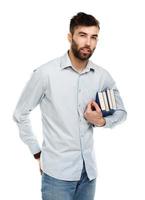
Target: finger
x,y
96,106
89,108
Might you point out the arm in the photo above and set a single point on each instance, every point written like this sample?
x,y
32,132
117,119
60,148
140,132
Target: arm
x,y
30,98
111,121
120,113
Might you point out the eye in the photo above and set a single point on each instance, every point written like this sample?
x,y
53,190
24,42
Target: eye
x,y
82,35
94,37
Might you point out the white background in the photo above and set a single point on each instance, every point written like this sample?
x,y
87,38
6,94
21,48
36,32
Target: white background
x,y
34,32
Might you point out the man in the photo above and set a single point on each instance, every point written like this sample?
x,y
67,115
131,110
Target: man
x,y
65,88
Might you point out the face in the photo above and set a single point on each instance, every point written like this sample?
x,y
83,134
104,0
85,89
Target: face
x,y
84,41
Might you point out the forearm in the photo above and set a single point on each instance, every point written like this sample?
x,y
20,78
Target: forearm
x,y
117,118
25,132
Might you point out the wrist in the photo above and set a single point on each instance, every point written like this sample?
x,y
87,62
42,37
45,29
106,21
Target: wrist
x,y
101,122
37,155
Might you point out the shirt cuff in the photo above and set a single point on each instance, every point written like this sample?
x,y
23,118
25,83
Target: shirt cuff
x,y
34,148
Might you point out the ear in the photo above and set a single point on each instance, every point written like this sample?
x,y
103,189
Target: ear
x,y
69,37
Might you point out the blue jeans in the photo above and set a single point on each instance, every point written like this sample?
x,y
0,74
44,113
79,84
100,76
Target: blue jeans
x,y
55,189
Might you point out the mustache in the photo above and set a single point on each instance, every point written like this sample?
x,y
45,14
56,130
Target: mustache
x,y
87,48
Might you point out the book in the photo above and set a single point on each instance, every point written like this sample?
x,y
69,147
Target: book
x,y
106,101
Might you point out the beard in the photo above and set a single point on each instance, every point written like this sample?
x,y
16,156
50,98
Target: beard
x,y
83,53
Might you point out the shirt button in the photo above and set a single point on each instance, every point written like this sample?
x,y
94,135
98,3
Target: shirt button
x,y
79,90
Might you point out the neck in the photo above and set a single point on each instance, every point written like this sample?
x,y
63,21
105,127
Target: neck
x,y
77,63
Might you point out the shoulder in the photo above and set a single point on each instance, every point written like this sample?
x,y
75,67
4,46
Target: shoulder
x,y
103,75
99,69
47,67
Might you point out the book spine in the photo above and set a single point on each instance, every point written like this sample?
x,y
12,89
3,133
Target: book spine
x,y
101,100
109,99
106,102
113,99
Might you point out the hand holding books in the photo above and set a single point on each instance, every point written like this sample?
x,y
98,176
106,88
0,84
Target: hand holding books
x,y
106,101
93,114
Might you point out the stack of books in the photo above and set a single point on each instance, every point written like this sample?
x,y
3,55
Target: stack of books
x,y
106,101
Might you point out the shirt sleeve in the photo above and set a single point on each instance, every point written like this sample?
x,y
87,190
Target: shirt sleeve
x,y
29,99
120,113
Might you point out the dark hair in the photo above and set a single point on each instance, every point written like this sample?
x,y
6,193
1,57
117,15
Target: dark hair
x,y
83,19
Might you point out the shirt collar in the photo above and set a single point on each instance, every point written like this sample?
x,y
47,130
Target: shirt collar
x,y
66,62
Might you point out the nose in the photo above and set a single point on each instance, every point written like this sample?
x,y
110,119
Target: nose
x,y
88,41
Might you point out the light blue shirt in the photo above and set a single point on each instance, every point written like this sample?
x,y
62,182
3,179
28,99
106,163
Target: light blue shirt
x,y
63,94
